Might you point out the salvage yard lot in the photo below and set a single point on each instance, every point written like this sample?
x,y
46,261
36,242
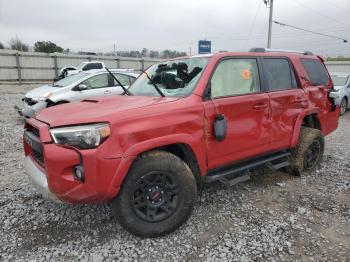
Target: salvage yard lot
x,y
273,216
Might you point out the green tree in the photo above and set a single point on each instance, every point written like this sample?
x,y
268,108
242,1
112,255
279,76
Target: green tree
x,y
2,46
47,47
17,44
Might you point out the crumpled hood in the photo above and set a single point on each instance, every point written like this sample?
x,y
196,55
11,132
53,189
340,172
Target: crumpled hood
x,y
40,91
97,110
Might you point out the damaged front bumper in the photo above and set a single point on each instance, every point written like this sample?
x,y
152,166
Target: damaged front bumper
x,y
38,179
29,111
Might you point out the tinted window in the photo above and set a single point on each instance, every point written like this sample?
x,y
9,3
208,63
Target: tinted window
x,y
96,66
97,81
235,77
316,71
92,66
124,79
279,74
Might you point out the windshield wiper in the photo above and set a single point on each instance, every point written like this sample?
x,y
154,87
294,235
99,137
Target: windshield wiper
x,y
154,84
121,85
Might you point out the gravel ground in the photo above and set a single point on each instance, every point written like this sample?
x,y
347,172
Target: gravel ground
x,y
272,217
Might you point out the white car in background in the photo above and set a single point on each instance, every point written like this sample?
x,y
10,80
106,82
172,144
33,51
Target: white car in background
x,y
341,83
84,66
76,87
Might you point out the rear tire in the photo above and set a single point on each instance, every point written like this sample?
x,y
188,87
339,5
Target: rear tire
x,y
343,106
308,153
157,196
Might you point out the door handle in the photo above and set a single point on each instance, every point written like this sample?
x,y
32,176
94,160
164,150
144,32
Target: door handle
x,y
260,106
107,92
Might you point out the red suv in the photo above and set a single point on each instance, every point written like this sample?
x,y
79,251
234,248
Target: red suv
x,y
182,123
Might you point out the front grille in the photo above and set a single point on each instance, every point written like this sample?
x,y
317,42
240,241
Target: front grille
x,y
29,101
38,156
32,138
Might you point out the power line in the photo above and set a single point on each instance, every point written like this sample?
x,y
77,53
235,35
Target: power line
x,y
339,7
306,30
312,9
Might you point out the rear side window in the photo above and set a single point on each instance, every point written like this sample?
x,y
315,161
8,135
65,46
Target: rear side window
x,y
124,79
316,71
93,66
279,74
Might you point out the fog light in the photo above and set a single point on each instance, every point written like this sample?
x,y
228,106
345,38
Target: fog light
x,y
78,173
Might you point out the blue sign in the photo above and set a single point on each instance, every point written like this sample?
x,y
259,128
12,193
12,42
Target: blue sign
x,y
204,47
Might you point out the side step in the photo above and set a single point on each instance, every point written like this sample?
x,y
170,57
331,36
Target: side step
x,y
240,172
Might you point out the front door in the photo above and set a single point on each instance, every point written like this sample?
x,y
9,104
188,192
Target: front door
x,y
97,85
235,93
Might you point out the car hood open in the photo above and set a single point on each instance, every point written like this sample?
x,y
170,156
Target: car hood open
x,y
97,110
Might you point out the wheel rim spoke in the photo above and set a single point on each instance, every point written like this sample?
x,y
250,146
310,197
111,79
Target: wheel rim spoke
x,y
312,155
156,196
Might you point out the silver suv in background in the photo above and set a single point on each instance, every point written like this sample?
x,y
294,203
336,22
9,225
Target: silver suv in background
x,y
341,93
75,88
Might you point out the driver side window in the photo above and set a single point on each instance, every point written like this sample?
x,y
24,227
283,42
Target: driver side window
x,y
235,77
97,81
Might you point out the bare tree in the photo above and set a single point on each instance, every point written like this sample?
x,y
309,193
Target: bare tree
x,y
16,44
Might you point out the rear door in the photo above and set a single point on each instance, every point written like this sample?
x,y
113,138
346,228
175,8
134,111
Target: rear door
x,y
235,92
287,99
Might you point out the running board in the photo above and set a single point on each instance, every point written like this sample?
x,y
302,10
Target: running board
x,y
240,172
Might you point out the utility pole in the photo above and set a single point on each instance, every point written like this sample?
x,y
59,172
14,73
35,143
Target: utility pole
x,y
114,49
269,4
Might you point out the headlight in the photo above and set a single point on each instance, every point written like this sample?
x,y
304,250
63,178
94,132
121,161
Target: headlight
x,y
82,137
44,97
334,93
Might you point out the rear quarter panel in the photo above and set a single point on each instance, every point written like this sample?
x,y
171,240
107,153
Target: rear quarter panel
x,y
318,102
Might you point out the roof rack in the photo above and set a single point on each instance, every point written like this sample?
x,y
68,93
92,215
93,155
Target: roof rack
x,y
266,50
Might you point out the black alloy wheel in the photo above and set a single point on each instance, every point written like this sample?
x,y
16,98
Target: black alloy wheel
x,y
155,197
312,155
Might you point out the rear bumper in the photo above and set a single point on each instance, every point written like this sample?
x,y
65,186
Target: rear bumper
x,y
38,179
329,121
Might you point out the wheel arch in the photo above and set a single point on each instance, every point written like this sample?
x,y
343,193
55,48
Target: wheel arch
x,y
55,103
307,120
190,153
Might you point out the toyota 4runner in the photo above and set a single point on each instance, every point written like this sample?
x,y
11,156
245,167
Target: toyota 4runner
x,y
183,122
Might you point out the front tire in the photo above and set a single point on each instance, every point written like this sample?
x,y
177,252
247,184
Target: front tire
x,y
157,196
308,153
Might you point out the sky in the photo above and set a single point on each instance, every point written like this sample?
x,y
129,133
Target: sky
x,y
231,25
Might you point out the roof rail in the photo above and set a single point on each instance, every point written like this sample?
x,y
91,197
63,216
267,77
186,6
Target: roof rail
x,y
266,50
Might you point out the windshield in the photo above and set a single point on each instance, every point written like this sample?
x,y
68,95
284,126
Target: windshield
x,y
173,78
339,80
80,66
69,80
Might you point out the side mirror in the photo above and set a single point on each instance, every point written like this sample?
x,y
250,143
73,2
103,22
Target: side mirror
x,y
81,87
